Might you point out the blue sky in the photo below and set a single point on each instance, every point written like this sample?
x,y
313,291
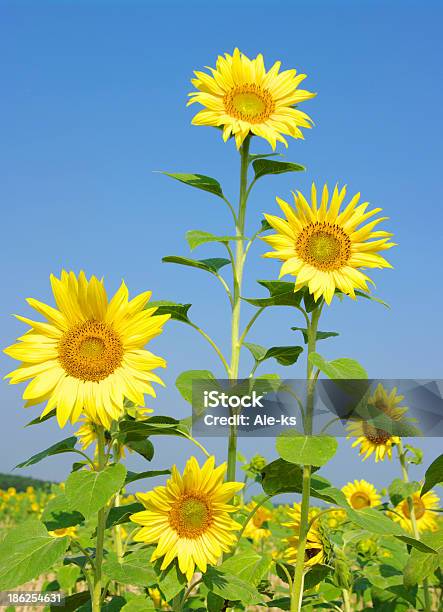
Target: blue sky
x,y
93,101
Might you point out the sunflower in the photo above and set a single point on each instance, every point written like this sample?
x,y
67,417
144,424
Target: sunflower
x,y
256,528
325,248
189,517
316,550
89,354
64,531
370,438
361,494
244,98
423,510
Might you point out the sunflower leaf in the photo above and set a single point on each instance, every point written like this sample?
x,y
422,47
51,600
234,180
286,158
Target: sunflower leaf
x,y
58,514
197,237
247,565
134,476
230,587
212,265
320,334
305,450
433,475
26,552
284,355
418,544
178,312
121,514
344,368
200,181
263,167
400,490
64,446
185,379
281,293
88,492
374,521
135,568
145,448
38,420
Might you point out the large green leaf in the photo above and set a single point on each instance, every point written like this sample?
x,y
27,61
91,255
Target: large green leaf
x,y
145,448
58,514
269,166
67,576
178,312
433,475
64,446
418,544
375,521
344,368
26,552
197,237
281,293
284,355
306,450
421,564
88,492
212,265
170,581
320,334
231,587
248,566
200,181
185,379
121,514
400,490
315,575
135,568
139,603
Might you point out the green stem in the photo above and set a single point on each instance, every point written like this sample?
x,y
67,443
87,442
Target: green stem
x,y
297,585
410,501
346,600
118,542
101,524
236,297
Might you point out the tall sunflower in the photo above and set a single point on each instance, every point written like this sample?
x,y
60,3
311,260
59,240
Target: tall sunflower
x,y
423,510
244,98
88,356
361,494
189,517
317,548
325,249
370,438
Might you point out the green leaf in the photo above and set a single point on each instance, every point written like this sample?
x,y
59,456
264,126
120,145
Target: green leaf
x,y
67,576
212,265
121,514
134,476
253,156
26,552
88,492
64,446
171,581
374,521
185,379
197,237
400,490
58,514
230,587
344,368
135,568
76,601
281,293
372,298
418,544
178,312
420,564
315,575
139,603
269,166
265,226
200,181
145,448
417,454
248,566
284,355
320,334
131,430
39,420
305,450
214,602
433,475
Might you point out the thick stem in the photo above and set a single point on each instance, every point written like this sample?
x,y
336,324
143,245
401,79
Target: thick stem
x,y
410,501
297,585
118,542
101,523
236,296
346,600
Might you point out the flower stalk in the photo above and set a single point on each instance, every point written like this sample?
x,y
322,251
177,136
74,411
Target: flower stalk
x,y
101,524
298,582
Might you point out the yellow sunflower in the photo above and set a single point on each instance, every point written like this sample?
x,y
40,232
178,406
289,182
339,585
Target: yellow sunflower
x,y
189,517
89,355
325,248
256,528
64,531
423,506
244,98
370,438
316,546
361,494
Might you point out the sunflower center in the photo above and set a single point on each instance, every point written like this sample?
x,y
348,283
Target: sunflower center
x,y
419,508
310,553
90,351
191,516
360,500
324,245
249,102
374,435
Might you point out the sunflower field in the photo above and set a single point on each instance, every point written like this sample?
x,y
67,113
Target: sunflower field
x,y
232,532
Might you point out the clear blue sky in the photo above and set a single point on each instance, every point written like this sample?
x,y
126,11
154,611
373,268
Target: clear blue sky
x,y
93,101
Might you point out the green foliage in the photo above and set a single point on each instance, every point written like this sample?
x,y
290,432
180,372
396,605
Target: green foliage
x,y
230,587
281,293
58,514
64,446
200,181
344,368
139,603
212,265
88,492
197,237
374,521
134,569
21,483
433,475
305,450
284,355
247,565
120,514
184,385
423,564
134,476
67,576
170,581
262,167
26,552
320,334
178,312
400,490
